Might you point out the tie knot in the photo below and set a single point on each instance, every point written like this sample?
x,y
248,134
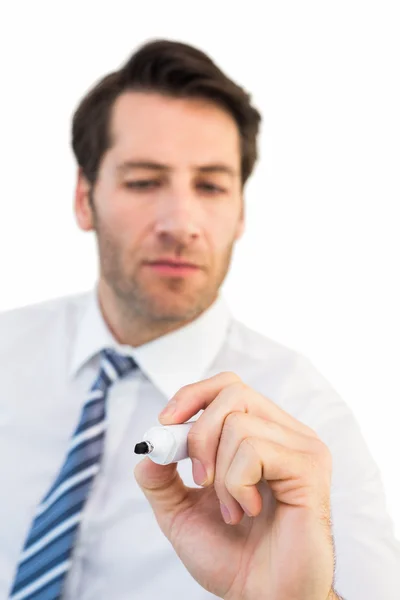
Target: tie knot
x,y
120,364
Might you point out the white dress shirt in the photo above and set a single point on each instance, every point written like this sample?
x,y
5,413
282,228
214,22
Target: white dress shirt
x,y
49,358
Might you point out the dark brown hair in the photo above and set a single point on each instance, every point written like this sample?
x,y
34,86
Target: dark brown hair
x,y
166,67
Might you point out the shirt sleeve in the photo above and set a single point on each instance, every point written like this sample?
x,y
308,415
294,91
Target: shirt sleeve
x,y
367,551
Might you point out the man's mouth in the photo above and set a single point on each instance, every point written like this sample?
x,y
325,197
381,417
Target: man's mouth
x,y
172,267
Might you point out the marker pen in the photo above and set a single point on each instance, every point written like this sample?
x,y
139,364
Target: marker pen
x,y
165,443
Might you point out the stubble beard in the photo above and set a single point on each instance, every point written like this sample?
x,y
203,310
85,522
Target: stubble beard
x,y
171,302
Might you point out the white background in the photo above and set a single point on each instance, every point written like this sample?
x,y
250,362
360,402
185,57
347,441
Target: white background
x,y
318,267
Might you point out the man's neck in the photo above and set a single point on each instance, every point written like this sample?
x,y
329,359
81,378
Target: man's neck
x,y
130,329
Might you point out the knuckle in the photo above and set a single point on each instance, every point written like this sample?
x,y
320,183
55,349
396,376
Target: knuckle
x,y
232,485
231,377
232,421
249,443
195,439
236,390
319,458
321,450
182,391
272,426
312,461
306,430
239,386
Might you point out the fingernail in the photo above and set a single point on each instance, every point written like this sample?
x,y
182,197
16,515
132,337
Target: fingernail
x,y
225,513
199,472
169,409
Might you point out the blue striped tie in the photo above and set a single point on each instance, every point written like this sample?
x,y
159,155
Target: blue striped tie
x,y
46,556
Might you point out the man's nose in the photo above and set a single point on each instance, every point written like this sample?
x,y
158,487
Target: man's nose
x,y
178,218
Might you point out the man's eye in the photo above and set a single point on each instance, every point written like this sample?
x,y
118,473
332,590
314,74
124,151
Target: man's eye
x,y
145,184
142,184
209,187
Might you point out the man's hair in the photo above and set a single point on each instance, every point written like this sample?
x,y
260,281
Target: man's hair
x,y
169,68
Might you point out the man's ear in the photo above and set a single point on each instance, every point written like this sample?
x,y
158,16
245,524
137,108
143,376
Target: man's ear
x,y
82,206
241,223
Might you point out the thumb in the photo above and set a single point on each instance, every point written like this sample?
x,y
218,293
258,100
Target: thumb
x,y
164,489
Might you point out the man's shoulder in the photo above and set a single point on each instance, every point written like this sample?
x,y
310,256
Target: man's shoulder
x,y
258,346
283,369
20,324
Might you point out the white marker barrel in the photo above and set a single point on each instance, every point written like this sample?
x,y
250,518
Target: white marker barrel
x,y
169,442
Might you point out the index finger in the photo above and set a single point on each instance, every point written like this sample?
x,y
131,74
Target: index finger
x,y
197,396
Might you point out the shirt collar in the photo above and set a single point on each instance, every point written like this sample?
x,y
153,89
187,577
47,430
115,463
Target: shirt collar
x,y
170,361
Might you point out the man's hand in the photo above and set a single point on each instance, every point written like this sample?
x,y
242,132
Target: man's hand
x,y
256,459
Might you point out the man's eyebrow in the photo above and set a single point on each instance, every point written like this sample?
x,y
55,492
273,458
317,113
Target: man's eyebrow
x,y
155,166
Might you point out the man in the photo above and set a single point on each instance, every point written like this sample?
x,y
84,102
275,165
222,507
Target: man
x,y
284,500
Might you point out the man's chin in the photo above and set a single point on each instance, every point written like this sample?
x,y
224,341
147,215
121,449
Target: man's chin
x,y
167,311
179,308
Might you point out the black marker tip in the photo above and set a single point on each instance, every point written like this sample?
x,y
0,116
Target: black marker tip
x,y
142,448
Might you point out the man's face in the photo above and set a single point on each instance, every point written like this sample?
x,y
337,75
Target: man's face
x,y
184,205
